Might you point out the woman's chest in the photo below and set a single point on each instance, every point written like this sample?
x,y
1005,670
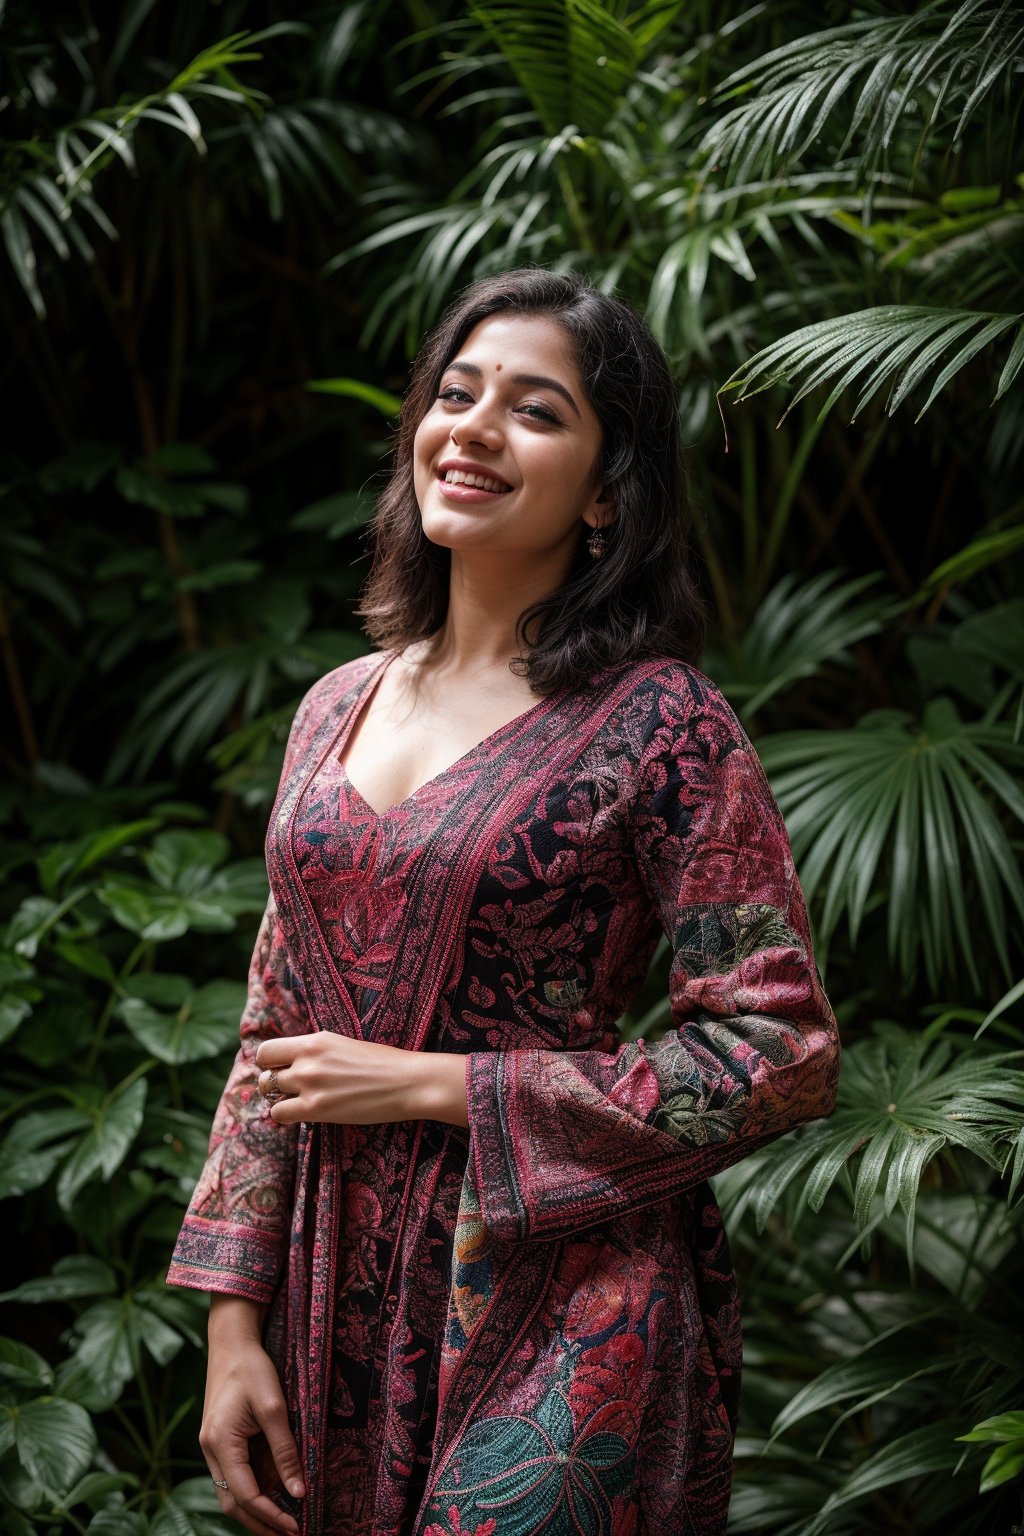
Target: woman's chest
x,y
522,917
405,737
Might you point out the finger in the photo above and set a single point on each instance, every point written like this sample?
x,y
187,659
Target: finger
x,y
276,1053
234,1511
281,1443
275,1080
289,1111
255,1508
220,1482
261,1527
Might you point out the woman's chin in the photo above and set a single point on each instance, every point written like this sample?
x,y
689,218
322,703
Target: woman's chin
x,y
459,531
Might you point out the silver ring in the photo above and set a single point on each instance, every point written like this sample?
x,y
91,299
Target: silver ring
x,y
221,1482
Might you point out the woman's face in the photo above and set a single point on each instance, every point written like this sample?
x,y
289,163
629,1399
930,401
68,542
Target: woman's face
x,y
506,456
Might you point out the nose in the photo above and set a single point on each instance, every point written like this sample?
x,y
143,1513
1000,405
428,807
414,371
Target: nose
x,y
478,423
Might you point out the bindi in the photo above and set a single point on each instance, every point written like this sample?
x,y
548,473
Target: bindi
x,y
497,367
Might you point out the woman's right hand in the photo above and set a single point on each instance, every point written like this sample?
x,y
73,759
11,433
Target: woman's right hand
x,y
244,1399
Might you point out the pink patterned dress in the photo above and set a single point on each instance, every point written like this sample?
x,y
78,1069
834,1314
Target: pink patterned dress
x,y
529,1328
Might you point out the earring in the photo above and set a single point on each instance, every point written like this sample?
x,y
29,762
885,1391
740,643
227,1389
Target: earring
x,y
597,544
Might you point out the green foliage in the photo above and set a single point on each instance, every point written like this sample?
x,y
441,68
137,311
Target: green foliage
x,y
908,809
225,233
908,340
1006,1431
104,1135
896,79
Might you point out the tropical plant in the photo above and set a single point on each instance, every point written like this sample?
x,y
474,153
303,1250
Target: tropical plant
x,y
110,1037
215,288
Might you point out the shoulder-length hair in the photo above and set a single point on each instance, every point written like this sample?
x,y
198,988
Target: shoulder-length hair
x,y
641,598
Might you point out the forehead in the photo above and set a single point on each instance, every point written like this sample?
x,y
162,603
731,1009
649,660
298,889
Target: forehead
x,y
522,344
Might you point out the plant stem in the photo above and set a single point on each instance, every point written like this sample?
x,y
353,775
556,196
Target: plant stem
x,y
115,997
574,208
17,687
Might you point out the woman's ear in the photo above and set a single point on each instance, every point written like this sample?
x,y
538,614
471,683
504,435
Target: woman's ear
x,y
602,510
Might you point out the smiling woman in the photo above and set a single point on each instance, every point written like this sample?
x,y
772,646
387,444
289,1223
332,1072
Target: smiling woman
x,y
576,360
468,1275
515,447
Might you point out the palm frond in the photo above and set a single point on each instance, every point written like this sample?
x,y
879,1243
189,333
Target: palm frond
x,y
877,71
901,343
49,184
903,1098
924,1451
574,58
912,806
794,631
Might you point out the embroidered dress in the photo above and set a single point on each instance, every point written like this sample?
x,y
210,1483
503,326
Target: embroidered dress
x,y
529,1328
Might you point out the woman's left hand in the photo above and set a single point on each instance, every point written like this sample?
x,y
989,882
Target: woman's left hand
x,y
332,1077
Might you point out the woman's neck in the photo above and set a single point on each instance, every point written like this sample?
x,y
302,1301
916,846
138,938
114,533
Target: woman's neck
x,y
485,600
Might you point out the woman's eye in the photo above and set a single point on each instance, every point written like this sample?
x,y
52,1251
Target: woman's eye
x,y
539,413
455,392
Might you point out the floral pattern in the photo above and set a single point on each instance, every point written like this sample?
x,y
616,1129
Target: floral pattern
x,y
529,1328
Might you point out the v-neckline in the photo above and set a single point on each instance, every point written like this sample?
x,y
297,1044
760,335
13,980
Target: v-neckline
x,y
361,704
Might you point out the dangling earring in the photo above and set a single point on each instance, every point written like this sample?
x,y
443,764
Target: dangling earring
x,y
597,544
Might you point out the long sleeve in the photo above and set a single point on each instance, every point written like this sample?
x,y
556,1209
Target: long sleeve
x,y
561,1140
235,1232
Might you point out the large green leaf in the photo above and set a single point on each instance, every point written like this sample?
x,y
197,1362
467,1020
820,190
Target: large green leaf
x,y
55,1441
116,1520
23,1366
909,809
101,1152
107,1344
75,1275
35,1145
190,1510
205,1024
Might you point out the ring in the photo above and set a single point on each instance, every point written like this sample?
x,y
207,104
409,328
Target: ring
x,y
221,1482
273,1089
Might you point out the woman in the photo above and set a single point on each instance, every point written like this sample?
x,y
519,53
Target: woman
x,y
468,1276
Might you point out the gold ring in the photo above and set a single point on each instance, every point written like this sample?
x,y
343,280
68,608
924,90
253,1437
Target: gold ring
x,y
273,1087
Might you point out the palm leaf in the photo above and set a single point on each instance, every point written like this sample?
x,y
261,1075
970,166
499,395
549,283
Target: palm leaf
x,y
926,1450
573,58
877,71
861,1381
990,548
795,630
908,339
52,181
902,1099
910,806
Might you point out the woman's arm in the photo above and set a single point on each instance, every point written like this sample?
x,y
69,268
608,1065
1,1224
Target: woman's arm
x,y
334,1078
560,1140
235,1233
243,1399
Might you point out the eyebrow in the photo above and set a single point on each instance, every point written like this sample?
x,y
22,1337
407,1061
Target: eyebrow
x,y
529,380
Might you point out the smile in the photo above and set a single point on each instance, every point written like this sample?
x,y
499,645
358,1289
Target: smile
x,y
479,482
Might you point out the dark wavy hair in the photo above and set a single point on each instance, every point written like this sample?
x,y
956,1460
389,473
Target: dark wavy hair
x,y
641,599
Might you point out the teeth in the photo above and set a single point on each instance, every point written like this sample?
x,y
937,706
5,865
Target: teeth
x,y
460,477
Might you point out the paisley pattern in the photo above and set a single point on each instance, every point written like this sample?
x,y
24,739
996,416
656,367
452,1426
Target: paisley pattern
x,y
529,1328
